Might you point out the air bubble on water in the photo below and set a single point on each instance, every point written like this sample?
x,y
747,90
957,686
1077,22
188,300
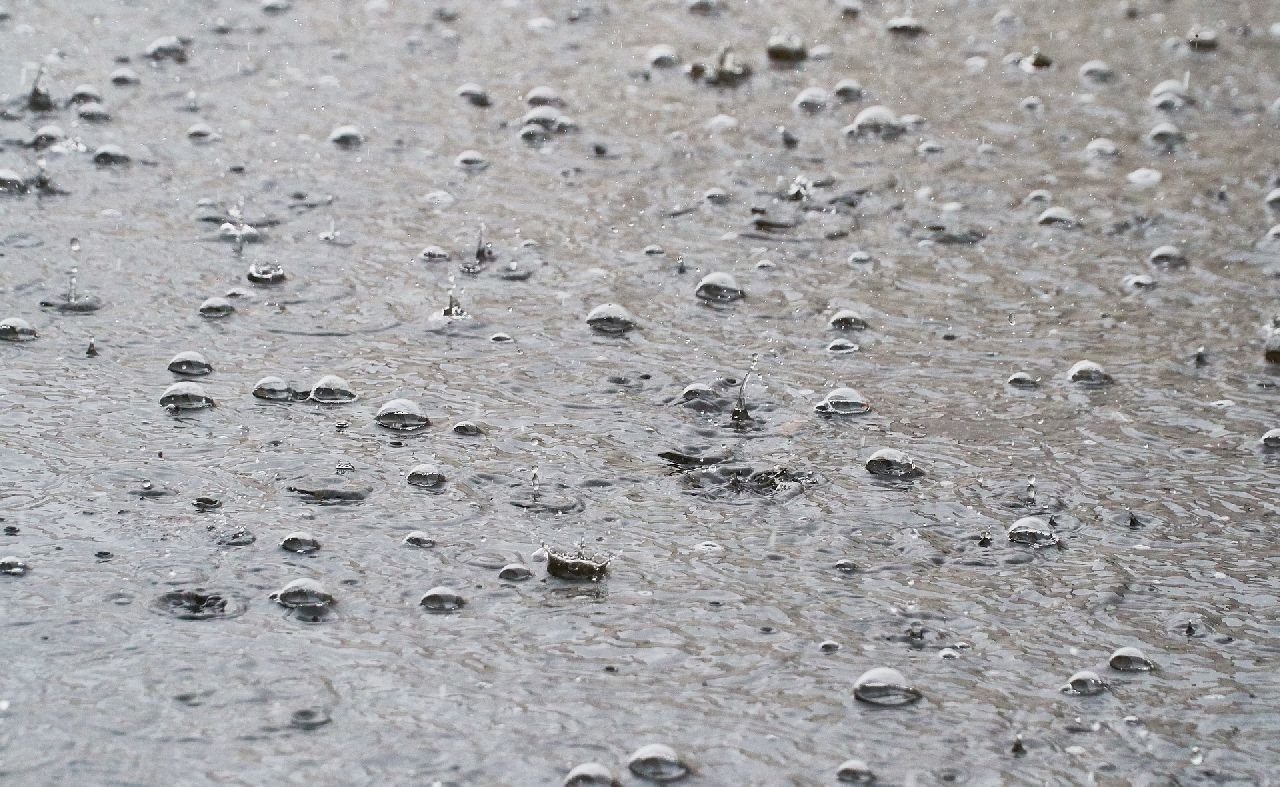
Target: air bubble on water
x,y
657,762
611,319
514,572
885,686
419,539
426,476
442,599
332,389
892,463
855,771
1033,531
1088,373
185,396
590,774
1130,659
190,364
843,401
301,542
402,415
1084,683
16,329
274,389
13,566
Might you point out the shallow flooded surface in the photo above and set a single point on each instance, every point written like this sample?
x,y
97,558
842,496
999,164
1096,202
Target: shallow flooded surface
x,y
726,577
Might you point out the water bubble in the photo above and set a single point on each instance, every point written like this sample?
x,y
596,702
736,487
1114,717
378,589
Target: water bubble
x,y
515,572
1058,216
578,565
1022,380
1165,136
786,47
1271,440
855,772
331,489
875,121
265,273
1033,531
332,389
309,718
657,762
1084,683
185,396
843,401
543,96
1272,199
848,90
1202,40
471,160
110,155
906,26
848,320
190,363
16,329
168,48
1097,72
474,94
1102,148
198,604
885,686
1167,257
300,542
467,429
433,254
1130,659
662,56
610,318
590,774
306,596
274,389
47,136
347,137
841,346
402,415
442,599
419,539
200,132
546,116
93,113
426,476
1088,373
12,183
1145,177
1271,349
812,99
124,76
85,94
13,566
273,7
892,463
719,287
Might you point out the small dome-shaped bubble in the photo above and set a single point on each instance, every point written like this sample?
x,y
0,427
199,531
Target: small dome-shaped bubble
x,y
892,463
1102,148
1271,348
216,306
300,542
855,771
1145,177
1058,216
402,415
1202,40
812,99
13,566
332,389
85,94
515,572
1022,380
12,183
884,686
273,389
168,48
124,76
848,320
532,133
473,94
610,318
543,96
471,160
842,346
545,116
657,762
1167,257
786,47
875,121
442,599
426,476
47,136
1138,281
110,155
843,401
1165,136
467,429
905,26
848,90
1088,373
716,196
719,287
1097,72
16,329
662,56
200,131
93,112
347,136
1130,659
419,539
434,254
185,396
190,363
303,594
1084,683
1033,531
1272,199
590,774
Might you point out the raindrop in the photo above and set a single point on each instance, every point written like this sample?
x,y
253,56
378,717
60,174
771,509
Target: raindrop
x,y
1088,373
347,137
426,476
892,463
168,48
855,772
610,318
274,389
300,542
1084,684
16,329
1130,659
402,415
1165,136
442,599
185,396
215,307
719,287
843,401
1033,531
657,762
190,364
885,686
332,389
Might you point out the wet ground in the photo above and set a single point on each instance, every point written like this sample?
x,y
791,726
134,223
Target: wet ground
x,y
758,568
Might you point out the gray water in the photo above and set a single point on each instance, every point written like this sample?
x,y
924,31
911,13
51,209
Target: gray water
x,y
706,633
